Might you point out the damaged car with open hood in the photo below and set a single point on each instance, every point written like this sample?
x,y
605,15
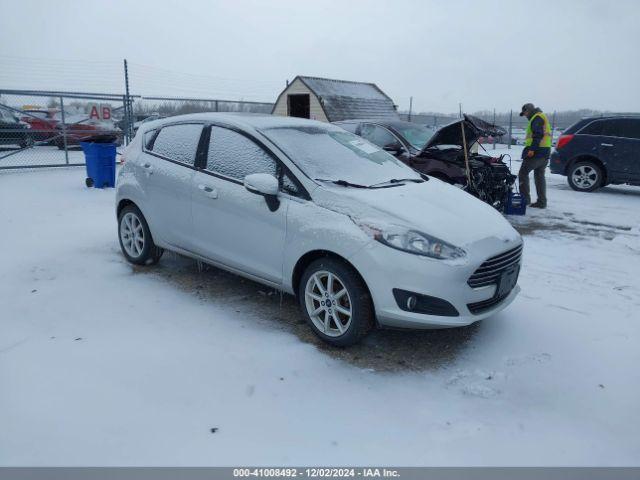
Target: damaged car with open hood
x,y
449,153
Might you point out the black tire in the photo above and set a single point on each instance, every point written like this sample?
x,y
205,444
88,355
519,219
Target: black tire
x,y
585,176
358,298
27,141
149,254
88,182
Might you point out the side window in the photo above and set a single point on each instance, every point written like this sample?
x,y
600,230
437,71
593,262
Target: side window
x,y
178,142
236,156
149,137
289,186
594,128
377,135
613,128
634,128
348,126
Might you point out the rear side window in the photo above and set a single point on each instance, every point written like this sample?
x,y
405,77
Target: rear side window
x,y
236,156
349,127
625,127
594,128
634,128
377,135
620,127
177,142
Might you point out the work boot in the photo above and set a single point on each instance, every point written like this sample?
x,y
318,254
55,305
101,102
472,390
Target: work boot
x,y
538,204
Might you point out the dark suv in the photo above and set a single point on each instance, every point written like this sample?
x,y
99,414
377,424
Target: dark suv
x,y
599,151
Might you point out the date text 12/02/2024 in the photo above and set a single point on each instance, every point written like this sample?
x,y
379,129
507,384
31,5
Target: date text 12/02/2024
x,y
316,472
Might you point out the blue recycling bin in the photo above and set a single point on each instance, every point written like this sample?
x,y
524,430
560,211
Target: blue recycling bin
x,y
100,159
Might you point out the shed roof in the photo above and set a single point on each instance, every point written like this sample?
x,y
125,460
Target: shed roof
x,y
345,100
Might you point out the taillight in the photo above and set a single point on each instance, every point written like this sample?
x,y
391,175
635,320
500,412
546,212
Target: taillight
x,y
563,140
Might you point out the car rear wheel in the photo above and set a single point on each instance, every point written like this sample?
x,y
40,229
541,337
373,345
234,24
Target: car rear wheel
x,y
336,302
585,176
135,238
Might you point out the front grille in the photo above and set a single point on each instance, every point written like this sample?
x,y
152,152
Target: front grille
x,y
489,272
479,307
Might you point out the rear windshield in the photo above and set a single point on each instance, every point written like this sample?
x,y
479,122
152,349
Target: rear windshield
x,y
330,153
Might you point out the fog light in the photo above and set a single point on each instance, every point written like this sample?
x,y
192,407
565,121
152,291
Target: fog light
x,y
412,301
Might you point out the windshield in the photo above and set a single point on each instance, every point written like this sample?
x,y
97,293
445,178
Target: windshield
x,y
330,153
416,135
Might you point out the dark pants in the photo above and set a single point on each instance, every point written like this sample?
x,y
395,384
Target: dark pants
x,y
538,166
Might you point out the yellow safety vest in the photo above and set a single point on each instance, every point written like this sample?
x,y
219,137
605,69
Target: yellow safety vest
x,y
546,139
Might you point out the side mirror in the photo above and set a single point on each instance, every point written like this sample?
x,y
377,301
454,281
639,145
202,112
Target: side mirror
x,y
266,185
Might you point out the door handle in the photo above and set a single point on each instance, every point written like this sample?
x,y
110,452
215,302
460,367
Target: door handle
x,y
208,191
148,169
607,144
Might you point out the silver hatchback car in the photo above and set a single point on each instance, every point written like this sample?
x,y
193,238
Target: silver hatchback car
x,y
306,207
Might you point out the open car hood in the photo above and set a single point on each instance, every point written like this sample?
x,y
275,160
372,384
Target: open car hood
x,y
474,128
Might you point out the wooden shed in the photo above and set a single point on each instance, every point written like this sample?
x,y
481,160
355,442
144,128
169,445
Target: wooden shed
x,y
333,100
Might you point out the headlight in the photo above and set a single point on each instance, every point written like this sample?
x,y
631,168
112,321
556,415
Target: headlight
x,y
412,241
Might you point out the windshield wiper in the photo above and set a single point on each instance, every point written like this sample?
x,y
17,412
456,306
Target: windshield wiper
x,y
396,181
342,183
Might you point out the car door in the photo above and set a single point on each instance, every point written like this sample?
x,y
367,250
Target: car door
x,y
632,133
616,149
233,226
167,168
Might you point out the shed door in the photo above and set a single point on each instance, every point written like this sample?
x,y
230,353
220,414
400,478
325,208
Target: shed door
x,y
298,105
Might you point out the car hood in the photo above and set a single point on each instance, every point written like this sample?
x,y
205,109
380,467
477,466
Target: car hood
x,y
433,207
474,128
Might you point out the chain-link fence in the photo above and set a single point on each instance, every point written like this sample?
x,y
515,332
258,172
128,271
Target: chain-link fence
x,y
44,129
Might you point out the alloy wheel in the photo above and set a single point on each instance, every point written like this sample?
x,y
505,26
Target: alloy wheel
x,y
585,177
328,303
132,234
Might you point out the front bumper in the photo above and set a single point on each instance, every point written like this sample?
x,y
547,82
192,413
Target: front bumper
x,y
385,269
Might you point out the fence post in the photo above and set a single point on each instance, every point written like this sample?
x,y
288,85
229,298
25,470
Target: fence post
x,y
127,110
510,129
216,102
64,132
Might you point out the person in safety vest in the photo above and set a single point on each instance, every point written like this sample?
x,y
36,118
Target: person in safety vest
x,y
535,156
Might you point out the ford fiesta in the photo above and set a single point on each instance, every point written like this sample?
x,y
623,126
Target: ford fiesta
x,y
361,239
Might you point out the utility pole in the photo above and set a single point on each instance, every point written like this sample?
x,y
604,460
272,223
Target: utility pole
x,y
494,122
460,109
410,107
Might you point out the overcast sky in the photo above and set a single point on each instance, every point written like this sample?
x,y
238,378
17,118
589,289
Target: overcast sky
x,y
485,54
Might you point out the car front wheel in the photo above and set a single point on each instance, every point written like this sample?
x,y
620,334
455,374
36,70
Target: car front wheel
x,y
585,176
336,302
135,238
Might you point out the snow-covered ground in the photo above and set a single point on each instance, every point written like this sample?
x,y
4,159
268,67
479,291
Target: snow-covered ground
x,y
105,364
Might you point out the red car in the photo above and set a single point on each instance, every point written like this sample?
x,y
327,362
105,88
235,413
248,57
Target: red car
x,y
43,123
47,125
78,128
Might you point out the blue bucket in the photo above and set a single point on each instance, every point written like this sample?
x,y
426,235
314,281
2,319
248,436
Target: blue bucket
x,y
516,204
101,164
